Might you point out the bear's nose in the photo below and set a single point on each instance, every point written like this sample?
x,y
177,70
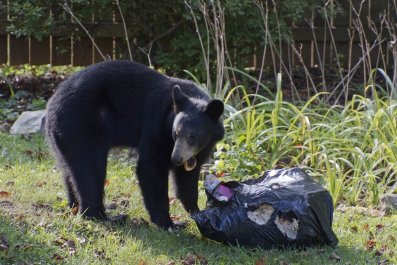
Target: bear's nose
x,y
177,160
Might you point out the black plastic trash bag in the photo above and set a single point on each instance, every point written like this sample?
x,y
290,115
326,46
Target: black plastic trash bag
x,y
282,208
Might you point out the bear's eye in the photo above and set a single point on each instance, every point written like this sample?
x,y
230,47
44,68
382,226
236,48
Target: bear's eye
x,y
190,138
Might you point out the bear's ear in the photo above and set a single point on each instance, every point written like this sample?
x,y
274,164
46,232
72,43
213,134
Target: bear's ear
x,y
178,98
214,109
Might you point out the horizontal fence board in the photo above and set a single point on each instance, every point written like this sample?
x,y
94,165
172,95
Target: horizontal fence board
x,y
106,47
19,50
82,51
3,49
40,51
61,54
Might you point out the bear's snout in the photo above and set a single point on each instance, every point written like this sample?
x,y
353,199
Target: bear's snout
x,y
182,152
176,159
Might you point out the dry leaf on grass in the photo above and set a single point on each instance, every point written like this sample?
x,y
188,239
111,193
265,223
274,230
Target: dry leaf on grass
x,y
370,244
74,210
260,262
354,229
106,182
4,194
379,227
194,259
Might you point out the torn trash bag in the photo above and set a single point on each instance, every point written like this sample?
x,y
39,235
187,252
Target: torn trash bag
x,y
282,208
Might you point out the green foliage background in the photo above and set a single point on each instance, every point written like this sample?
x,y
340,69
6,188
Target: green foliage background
x,y
167,25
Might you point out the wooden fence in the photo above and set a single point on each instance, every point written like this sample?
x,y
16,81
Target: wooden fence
x,y
312,43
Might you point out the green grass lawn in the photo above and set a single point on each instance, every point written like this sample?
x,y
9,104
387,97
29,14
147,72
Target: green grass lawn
x,y
36,227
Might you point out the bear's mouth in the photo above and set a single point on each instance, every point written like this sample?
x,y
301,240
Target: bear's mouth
x,y
190,164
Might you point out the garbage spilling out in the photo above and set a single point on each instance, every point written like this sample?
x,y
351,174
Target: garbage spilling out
x,y
282,208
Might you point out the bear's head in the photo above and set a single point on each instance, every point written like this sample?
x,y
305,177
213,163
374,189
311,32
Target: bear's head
x,y
196,127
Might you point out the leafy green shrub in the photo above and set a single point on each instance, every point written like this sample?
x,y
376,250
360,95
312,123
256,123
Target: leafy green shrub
x,y
351,148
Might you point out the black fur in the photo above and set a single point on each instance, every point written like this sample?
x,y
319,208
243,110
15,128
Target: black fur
x,y
120,103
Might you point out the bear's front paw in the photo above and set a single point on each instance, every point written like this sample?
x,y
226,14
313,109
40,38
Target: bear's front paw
x,y
177,226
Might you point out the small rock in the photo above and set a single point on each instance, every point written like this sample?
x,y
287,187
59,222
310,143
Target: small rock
x,y
5,127
389,202
29,122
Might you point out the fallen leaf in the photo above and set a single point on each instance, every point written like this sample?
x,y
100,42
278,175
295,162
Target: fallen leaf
x,y
379,227
220,174
366,227
260,262
4,245
28,152
74,210
106,182
41,184
354,229
20,217
193,258
335,257
370,244
141,262
4,194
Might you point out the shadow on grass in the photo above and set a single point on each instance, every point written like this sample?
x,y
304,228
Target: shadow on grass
x,y
177,245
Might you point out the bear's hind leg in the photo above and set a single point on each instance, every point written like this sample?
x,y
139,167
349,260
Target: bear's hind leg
x,y
72,199
89,173
83,161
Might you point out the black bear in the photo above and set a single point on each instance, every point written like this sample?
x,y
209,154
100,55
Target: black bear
x,y
172,123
